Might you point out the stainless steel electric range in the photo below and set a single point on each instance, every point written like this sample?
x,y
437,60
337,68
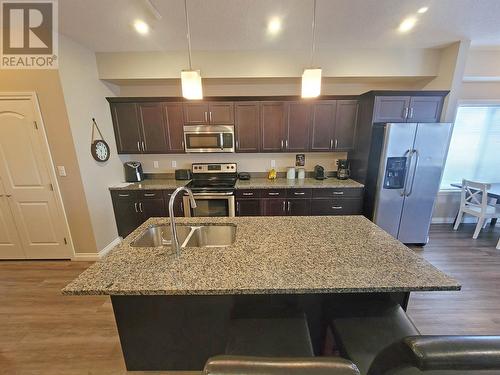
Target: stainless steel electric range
x,y
213,189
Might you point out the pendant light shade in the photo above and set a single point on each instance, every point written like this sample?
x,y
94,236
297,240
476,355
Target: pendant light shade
x,y
311,78
190,79
191,84
311,83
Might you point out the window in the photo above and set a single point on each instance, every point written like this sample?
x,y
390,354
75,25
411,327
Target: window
x,y
474,152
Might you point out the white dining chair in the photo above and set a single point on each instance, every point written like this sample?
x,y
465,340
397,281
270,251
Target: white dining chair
x,y
498,244
474,201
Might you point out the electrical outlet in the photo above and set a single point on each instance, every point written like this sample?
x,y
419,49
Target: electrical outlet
x,y
156,164
61,170
273,163
174,164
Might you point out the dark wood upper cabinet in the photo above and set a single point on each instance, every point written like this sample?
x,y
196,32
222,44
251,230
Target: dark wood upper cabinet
x,y
196,113
213,113
272,126
151,120
323,124
391,108
174,123
298,123
127,128
247,126
221,113
345,124
425,109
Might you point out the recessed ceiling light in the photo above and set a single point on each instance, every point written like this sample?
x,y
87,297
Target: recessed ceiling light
x,y
274,26
141,27
407,24
423,10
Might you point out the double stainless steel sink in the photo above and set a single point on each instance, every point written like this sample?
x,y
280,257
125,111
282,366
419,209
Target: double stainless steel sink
x,y
212,235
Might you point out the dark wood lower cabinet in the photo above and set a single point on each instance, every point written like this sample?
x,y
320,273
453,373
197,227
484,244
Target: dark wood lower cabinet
x,y
299,207
341,206
152,208
274,207
126,212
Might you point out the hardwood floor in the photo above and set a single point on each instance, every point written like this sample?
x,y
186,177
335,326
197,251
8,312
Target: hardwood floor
x,y
43,332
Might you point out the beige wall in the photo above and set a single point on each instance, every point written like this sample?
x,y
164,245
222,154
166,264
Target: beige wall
x,y
47,85
262,64
85,95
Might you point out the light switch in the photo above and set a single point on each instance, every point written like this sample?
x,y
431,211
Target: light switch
x,y
174,164
61,170
273,163
156,164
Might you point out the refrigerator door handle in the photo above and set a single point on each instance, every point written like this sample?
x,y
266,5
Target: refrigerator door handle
x,y
414,171
408,163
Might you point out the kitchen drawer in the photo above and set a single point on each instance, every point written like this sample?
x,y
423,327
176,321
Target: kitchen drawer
x,y
341,206
150,194
299,193
123,195
338,193
273,193
247,193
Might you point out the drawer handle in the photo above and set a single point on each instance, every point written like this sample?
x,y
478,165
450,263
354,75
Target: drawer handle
x,y
338,193
273,193
124,195
337,207
302,193
248,194
150,194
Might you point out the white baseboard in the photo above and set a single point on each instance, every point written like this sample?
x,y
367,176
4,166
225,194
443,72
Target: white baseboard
x,y
88,257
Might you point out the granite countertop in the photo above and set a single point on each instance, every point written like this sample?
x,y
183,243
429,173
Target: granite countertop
x,y
264,183
152,184
254,183
271,255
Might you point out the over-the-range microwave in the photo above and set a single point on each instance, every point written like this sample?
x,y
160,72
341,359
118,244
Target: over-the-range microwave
x,y
209,138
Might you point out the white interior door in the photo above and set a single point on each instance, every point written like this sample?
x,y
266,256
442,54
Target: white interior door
x,y
26,174
10,244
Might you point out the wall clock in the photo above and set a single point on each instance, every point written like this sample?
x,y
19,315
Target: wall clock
x,y
99,148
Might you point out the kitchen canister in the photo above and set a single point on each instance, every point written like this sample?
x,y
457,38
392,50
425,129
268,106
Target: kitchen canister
x,y
290,173
301,173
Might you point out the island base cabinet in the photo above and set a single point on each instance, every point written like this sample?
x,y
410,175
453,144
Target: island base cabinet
x,y
179,333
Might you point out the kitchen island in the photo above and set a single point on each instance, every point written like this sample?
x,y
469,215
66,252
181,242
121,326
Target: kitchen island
x,y
172,312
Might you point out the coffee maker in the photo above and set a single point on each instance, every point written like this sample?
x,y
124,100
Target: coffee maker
x,y
343,171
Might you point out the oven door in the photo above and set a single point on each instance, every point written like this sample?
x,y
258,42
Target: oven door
x,y
209,138
210,205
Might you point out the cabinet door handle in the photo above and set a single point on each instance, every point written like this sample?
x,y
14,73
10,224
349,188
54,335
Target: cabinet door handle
x,y
338,193
336,143
405,112
138,145
282,144
301,193
206,118
143,146
411,113
210,114
237,207
286,144
135,206
337,207
150,194
140,207
331,144
248,194
284,206
237,144
289,206
124,195
273,193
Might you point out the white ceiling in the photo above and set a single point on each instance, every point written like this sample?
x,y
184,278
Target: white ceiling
x,y
106,25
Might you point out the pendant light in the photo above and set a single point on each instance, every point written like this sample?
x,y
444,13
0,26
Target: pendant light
x,y
190,79
311,78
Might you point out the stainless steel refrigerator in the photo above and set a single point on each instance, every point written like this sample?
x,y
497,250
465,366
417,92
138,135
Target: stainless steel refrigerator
x,y
405,166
